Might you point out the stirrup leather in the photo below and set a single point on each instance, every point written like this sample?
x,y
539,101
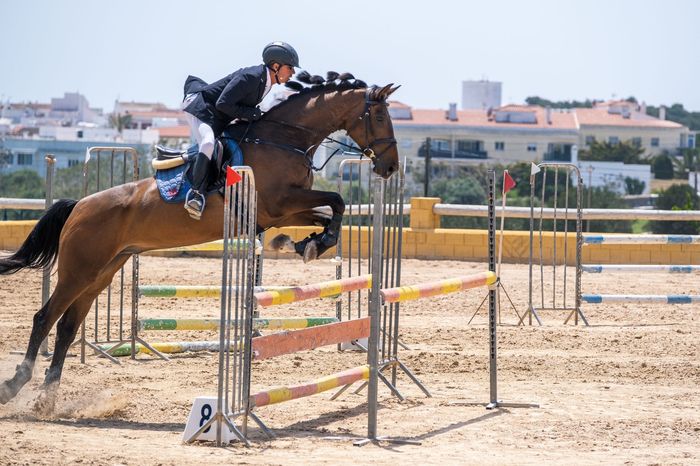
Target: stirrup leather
x,y
192,199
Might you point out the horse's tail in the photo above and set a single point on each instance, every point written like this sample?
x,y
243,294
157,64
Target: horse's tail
x,y
41,246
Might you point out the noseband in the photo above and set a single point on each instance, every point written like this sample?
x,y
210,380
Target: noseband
x,y
368,150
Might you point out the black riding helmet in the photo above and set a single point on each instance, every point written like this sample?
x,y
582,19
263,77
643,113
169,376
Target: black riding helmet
x,y
280,52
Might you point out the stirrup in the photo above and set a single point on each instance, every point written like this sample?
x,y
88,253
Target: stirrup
x,y
194,204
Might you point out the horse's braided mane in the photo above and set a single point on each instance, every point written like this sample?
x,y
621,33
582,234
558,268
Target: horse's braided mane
x,y
305,83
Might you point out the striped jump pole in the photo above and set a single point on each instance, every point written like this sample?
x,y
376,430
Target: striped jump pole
x,y
213,324
318,290
163,347
453,285
281,394
640,299
602,268
277,344
641,239
193,291
212,246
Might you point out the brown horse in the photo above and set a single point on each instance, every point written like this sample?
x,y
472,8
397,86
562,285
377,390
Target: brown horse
x,y
91,239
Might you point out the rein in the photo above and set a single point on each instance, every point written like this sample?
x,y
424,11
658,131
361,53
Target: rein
x,y
367,151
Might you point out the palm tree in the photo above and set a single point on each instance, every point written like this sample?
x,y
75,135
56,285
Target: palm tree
x,y
119,121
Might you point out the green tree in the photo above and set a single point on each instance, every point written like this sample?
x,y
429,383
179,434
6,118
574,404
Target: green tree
x,y
603,151
68,182
634,185
677,197
119,121
689,161
677,113
22,184
662,166
465,189
605,198
542,102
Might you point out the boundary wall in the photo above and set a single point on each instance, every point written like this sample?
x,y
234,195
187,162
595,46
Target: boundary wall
x,y
423,239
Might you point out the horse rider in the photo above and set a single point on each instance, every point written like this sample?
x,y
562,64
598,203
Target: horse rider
x,y
211,107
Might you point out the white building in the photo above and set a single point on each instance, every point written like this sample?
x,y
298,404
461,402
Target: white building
x,y
481,95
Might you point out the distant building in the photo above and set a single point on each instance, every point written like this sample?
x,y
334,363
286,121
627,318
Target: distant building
x,y
22,154
622,121
481,95
508,134
68,126
145,115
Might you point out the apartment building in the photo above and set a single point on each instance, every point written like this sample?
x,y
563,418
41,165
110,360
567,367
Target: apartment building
x,y
622,121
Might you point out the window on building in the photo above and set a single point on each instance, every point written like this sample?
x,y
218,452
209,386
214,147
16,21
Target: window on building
x,y
500,145
654,142
441,145
470,149
637,142
25,159
590,140
74,162
613,140
532,147
6,158
558,152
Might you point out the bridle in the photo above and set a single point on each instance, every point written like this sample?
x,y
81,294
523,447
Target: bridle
x,y
366,115
367,151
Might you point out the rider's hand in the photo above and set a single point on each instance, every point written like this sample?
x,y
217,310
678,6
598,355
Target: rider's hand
x,y
252,114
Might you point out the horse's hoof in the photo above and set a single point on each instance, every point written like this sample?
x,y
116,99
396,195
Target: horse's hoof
x,y
310,252
282,242
45,403
5,393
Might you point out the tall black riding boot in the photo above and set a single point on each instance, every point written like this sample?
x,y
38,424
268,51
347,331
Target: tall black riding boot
x,y
195,201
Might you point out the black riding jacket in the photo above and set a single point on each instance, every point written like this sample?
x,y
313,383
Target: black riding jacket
x,y
231,97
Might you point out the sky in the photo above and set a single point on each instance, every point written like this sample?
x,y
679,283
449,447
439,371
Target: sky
x,y
142,50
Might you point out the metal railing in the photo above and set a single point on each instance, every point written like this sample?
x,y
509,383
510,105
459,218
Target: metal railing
x,y
463,210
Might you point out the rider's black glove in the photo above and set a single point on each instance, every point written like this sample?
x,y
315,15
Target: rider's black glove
x,y
253,114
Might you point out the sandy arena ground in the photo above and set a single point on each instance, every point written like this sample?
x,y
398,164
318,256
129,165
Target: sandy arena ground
x,y
624,391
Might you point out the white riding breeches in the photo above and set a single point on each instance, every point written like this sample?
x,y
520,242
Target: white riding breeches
x,y
201,132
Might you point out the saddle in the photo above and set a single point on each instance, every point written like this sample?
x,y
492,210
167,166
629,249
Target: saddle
x,y
173,166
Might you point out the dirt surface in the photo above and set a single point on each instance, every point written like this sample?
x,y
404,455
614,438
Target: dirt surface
x,y
624,390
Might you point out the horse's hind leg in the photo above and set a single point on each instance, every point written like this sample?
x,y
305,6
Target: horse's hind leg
x,y
307,217
43,321
67,329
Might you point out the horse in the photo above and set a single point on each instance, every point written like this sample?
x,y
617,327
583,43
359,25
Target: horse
x,y
90,240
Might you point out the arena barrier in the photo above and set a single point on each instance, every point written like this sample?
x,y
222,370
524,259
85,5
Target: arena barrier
x,y
642,268
558,283
240,348
355,254
104,168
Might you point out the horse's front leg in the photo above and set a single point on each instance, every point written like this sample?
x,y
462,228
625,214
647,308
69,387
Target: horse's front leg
x,y
303,202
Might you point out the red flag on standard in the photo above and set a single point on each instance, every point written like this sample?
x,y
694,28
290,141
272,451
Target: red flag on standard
x,y
232,176
508,182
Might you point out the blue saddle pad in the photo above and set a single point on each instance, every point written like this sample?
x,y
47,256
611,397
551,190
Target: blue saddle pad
x,y
173,184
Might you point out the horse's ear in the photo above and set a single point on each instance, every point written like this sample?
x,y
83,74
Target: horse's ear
x,y
392,90
384,92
